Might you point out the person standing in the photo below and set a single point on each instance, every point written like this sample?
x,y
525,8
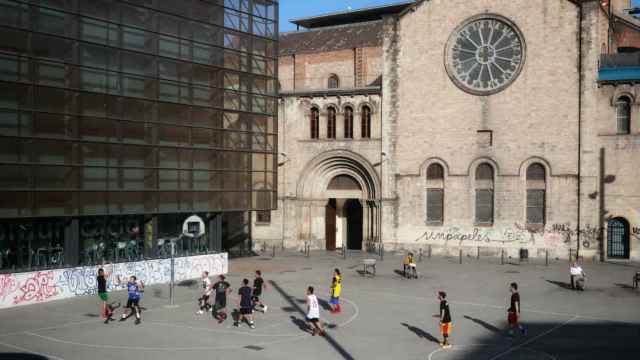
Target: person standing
x,y
221,287
336,289
258,285
513,314
445,320
101,280
134,291
203,301
313,312
245,304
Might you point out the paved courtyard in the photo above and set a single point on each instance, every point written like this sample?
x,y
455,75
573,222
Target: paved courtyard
x,y
384,317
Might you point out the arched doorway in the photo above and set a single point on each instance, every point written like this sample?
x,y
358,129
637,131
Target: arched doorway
x,y
353,213
341,201
618,238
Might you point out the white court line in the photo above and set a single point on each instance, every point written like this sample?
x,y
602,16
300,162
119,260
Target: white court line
x,y
586,317
30,351
457,347
193,348
78,322
534,338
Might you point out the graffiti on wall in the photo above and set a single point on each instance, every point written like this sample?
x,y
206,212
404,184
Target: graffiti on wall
x,y
549,236
35,287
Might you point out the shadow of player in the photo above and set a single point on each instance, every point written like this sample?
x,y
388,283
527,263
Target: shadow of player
x,y
300,323
484,324
421,333
561,284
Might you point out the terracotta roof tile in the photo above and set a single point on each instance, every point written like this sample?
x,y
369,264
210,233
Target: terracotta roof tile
x,y
332,38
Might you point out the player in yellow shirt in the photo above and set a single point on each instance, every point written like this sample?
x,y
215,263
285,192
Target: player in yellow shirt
x,y
336,289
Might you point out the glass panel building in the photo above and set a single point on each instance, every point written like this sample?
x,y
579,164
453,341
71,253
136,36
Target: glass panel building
x,y
121,118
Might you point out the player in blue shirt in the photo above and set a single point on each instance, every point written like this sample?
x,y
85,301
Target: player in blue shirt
x,y
135,289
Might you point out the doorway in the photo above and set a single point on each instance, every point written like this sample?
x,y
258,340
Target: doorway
x,y
353,213
330,224
618,238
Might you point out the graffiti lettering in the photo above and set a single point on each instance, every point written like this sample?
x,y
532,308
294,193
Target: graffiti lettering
x,y
37,288
8,285
30,288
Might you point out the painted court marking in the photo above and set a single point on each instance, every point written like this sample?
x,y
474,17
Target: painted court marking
x,y
30,351
577,316
534,338
457,347
288,338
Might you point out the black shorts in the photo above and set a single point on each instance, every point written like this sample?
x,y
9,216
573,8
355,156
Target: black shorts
x,y
133,302
246,310
221,302
313,320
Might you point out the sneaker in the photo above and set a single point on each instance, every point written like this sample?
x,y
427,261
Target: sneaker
x,y
252,326
199,312
236,324
123,318
106,321
264,309
138,321
523,331
446,346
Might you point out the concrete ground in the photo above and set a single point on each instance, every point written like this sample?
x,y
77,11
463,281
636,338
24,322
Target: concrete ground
x,y
384,317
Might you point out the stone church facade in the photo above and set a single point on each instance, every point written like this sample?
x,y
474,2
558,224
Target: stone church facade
x,y
482,126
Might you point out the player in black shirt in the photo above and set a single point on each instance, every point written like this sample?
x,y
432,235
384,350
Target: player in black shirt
x,y
258,285
445,319
221,288
245,304
101,280
513,314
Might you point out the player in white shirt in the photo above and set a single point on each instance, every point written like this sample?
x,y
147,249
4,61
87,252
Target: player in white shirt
x,y
207,289
313,312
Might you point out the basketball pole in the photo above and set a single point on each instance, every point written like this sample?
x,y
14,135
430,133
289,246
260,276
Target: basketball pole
x,y
172,283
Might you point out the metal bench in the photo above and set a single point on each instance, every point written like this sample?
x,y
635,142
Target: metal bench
x,y
369,264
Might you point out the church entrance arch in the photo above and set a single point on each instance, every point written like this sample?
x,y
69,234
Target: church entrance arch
x,y
347,187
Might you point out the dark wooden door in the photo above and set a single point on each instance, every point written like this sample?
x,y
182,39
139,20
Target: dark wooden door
x,y
330,224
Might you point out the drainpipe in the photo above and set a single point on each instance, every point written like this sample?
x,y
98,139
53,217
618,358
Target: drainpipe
x,y
580,85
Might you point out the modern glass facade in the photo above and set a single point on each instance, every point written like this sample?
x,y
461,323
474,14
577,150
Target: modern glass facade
x,y
118,119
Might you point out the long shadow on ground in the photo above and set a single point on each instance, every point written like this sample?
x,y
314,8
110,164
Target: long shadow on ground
x,y
291,300
421,333
563,339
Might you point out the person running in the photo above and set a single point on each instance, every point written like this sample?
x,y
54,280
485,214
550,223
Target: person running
x,y
207,289
221,287
445,320
245,304
135,289
513,314
336,289
313,312
101,280
258,285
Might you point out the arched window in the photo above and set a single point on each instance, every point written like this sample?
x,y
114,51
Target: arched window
x,y
348,123
435,194
623,114
365,115
536,194
484,194
618,238
331,123
315,123
333,82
